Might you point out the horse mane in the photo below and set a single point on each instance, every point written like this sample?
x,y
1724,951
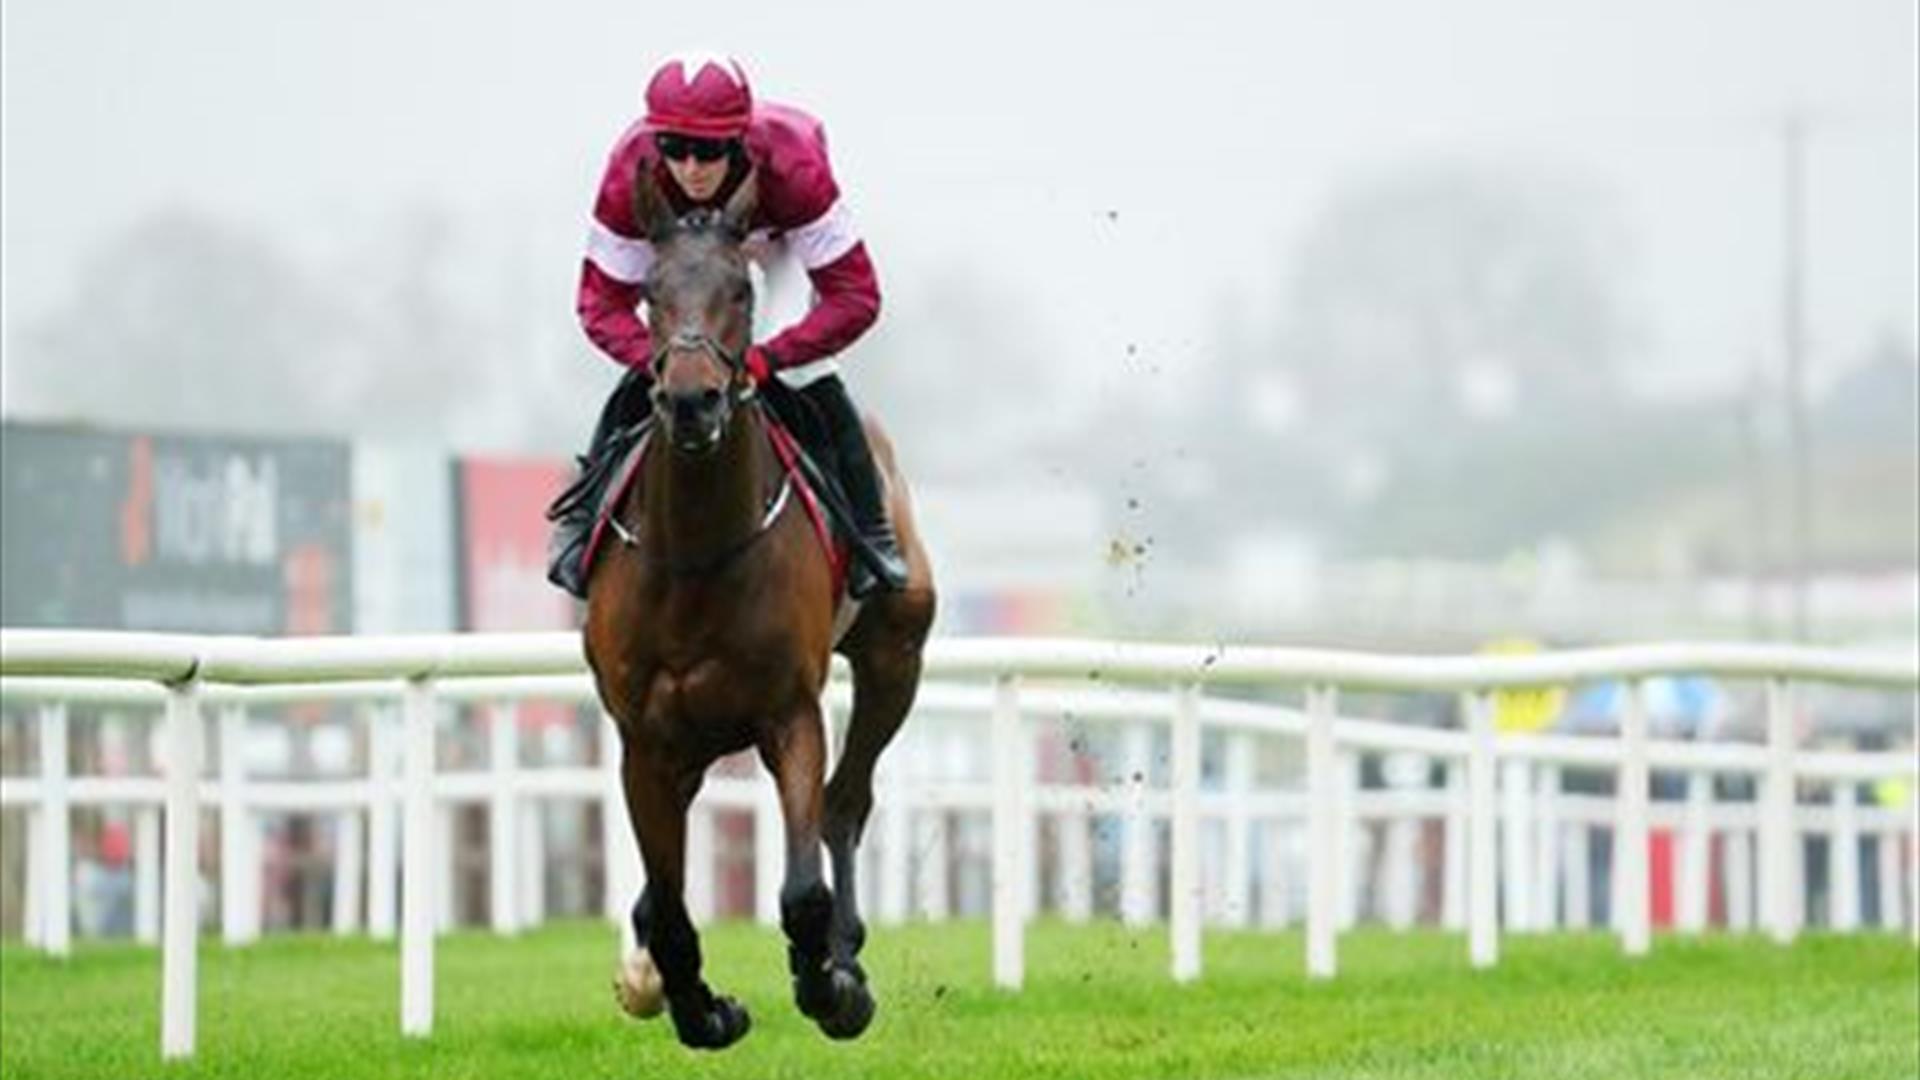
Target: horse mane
x,y
702,220
730,221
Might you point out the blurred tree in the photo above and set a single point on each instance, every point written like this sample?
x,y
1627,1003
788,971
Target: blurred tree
x,y
187,321
1456,291
1876,403
402,331
957,371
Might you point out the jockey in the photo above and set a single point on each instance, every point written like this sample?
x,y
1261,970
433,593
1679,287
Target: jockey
x,y
704,132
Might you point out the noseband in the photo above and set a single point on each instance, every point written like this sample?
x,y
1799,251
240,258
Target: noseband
x,y
694,341
739,391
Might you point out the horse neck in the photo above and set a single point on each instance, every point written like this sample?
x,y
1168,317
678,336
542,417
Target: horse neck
x,y
699,505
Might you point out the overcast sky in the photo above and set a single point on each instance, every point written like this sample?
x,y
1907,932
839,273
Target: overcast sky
x,y
1001,136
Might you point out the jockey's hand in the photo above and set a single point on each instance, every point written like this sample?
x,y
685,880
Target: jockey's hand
x,y
759,365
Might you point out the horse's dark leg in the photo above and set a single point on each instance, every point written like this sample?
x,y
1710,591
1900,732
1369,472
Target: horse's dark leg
x,y
836,999
885,656
657,799
642,916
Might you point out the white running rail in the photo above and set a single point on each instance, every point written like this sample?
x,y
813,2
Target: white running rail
x,y
184,674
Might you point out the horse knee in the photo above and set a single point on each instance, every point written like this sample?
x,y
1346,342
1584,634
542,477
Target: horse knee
x,y
806,914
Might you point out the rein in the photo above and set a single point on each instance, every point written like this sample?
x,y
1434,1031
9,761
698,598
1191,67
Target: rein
x,y
707,564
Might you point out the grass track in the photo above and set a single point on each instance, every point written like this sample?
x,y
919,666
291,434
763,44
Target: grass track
x,y
1097,1004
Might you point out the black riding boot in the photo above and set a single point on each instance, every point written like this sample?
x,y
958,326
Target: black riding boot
x,y
573,511
877,563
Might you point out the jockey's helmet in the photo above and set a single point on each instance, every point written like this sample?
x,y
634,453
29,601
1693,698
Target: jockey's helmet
x,y
701,94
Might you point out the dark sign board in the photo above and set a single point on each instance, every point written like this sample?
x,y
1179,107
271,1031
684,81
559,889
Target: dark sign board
x,y
174,532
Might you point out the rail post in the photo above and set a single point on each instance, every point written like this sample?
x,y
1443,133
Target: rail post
x,y
1843,858
503,819
349,870
1483,876
1324,867
1010,775
1548,849
179,960
383,869
56,817
419,870
146,875
1453,855
1184,836
621,867
1696,844
1779,841
1517,821
1137,875
1237,875
1631,829
1348,837
239,865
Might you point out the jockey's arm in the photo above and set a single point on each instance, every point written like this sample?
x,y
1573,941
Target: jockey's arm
x,y
608,310
846,303
616,261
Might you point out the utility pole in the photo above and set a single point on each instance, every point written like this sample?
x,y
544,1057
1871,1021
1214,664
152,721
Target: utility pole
x,y
1753,458
1794,342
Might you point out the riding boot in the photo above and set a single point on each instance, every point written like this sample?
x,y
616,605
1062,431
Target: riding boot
x,y
878,563
573,511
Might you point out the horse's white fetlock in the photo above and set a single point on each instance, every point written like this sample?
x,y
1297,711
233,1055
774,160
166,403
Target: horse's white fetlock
x,y
638,988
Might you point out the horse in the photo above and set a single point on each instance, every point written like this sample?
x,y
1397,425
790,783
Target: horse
x,y
710,630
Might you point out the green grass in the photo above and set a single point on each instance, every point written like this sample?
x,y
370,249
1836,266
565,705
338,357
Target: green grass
x,y
1097,1004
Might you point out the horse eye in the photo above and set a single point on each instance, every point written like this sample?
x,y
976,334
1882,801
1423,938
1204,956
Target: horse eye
x,y
743,293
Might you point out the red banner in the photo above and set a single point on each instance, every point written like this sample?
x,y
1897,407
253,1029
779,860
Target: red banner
x,y
503,530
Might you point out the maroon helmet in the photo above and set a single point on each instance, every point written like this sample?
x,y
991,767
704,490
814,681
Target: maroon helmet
x,y
701,94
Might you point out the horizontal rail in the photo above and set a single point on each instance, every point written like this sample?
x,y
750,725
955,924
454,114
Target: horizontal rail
x,y
175,658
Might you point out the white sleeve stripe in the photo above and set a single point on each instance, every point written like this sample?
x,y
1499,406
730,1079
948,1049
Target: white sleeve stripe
x,y
825,238
621,258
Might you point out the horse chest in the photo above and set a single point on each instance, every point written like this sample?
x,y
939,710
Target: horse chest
x,y
705,691
710,705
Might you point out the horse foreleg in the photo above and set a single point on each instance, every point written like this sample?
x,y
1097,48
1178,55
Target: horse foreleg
x,y
886,676
834,995
657,800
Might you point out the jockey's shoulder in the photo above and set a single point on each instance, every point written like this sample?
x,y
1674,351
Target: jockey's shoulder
x,y
789,147
787,130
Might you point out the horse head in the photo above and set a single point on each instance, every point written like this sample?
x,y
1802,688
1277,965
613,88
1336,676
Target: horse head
x,y
700,311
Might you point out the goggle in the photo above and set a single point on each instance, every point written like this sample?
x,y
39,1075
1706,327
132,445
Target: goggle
x,y
675,147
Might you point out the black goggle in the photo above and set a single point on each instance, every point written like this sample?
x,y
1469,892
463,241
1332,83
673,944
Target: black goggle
x,y
675,147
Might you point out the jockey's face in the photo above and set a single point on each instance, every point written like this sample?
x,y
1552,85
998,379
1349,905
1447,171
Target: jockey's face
x,y
698,166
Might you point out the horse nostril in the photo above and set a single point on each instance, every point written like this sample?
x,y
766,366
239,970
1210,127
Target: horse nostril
x,y
710,397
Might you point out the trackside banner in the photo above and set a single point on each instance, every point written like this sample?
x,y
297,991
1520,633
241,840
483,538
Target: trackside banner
x,y
174,532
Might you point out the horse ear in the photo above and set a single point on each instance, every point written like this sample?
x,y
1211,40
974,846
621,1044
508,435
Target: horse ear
x,y
650,209
737,215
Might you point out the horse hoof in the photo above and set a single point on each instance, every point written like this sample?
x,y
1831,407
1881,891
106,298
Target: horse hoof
x,y
855,1011
637,986
721,1024
838,1001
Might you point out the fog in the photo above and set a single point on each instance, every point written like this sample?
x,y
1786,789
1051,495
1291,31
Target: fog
x,y
1094,223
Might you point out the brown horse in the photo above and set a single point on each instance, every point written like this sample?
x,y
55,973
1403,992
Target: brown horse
x,y
710,629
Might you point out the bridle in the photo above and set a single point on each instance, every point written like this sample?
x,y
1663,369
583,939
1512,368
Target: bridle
x,y
740,393
740,390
